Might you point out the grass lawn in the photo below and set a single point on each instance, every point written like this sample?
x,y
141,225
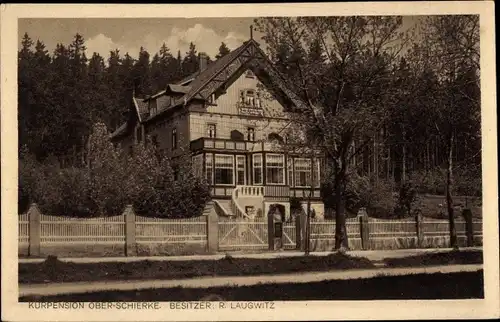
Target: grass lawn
x,y
440,258
463,285
53,270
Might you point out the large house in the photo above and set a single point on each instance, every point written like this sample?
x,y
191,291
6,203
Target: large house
x,y
232,116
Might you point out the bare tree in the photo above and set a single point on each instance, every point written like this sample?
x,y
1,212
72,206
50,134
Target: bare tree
x,y
450,50
346,92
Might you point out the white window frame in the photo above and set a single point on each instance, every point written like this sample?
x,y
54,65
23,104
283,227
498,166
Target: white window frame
x,y
254,167
232,169
290,168
297,171
276,167
238,164
248,134
317,176
197,162
174,139
215,130
209,162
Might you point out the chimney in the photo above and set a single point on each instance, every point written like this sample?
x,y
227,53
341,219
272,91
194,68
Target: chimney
x,y
203,62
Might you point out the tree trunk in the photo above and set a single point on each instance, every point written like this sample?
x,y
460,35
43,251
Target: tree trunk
x,y
308,227
341,241
308,218
403,171
449,199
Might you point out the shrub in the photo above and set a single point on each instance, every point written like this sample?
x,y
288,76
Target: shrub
x,y
109,181
408,199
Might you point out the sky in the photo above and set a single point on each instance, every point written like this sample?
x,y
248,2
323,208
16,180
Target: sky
x,y
129,34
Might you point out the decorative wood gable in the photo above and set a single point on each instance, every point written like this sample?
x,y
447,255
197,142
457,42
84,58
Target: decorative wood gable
x,y
249,56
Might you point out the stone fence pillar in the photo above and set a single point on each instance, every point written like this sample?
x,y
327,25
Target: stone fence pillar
x,y
364,229
130,242
35,231
469,227
419,227
212,228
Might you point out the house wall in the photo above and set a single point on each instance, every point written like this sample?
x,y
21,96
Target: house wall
x,y
226,123
163,129
226,115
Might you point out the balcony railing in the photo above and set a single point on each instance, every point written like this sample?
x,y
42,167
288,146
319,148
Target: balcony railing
x,y
221,144
276,191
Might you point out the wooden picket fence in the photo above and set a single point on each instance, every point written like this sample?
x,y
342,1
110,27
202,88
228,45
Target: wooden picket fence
x,y
134,235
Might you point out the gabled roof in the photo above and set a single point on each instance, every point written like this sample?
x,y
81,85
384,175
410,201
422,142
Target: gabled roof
x,y
211,71
142,108
199,80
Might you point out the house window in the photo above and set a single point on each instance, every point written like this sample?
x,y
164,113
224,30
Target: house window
x,y
251,134
211,130
240,170
197,162
209,168
174,139
275,169
317,180
224,169
257,169
302,172
152,107
248,98
154,141
249,74
290,171
212,100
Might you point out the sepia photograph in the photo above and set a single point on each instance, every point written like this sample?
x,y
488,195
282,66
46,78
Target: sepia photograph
x,y
234,163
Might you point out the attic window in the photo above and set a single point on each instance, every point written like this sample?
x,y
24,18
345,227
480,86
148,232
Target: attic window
x,y
249,74
212,100
152,107
249,98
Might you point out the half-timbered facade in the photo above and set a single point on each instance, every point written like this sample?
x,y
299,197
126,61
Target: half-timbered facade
x,y
232,117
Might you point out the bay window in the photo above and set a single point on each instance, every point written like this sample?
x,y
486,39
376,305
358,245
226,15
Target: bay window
x,y
209,168
275,169
290,171
224,169
197,162
317,174
257,169
240,170
303,169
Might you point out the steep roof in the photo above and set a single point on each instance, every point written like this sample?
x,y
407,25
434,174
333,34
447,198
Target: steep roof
x,y
142,108
199,79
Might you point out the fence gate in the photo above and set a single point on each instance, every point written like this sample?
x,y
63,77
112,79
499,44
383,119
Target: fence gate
x,y
243,234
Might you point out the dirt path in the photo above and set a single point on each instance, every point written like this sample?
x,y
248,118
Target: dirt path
x,y
204,282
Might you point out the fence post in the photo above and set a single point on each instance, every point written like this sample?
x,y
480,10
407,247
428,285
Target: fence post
x,y
469,228
35,230
364,229
212,228
419,229
298,232
130,243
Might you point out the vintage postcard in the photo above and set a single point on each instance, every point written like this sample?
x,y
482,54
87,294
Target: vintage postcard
x,y
306,161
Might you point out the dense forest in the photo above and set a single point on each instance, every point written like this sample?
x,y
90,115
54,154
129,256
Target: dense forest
x,y
62,94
